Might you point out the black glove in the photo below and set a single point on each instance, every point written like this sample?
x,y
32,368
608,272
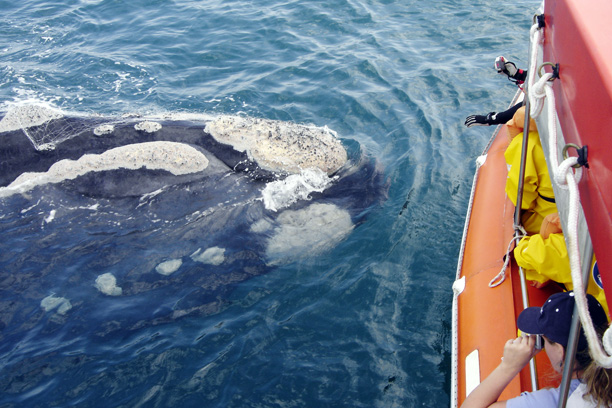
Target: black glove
x,y
480,120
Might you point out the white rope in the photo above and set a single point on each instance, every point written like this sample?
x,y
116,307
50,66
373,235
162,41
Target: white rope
x,y
501,276
607,341
536,98
539,91
595,346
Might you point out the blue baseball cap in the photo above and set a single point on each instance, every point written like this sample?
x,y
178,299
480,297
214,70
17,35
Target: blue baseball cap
x,y
554,318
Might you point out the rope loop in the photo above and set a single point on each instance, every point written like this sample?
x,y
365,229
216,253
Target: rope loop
x,y
539,88
537,94
555,68
564,171
501,276
582,155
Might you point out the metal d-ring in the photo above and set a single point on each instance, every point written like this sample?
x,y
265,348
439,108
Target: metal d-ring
x,y
555,70
565,155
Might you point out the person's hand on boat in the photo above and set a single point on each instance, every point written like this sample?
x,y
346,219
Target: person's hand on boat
x,y
518,352
480,120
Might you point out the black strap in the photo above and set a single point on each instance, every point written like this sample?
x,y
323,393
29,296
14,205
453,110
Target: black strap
x,y
550,200
582,156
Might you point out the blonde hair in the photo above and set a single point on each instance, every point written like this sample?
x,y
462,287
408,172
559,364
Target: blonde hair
x,y
598,381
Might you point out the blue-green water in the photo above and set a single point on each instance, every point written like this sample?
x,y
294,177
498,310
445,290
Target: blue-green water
x,y
364,324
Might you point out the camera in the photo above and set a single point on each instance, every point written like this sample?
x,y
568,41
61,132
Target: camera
x,y
500,64
539,342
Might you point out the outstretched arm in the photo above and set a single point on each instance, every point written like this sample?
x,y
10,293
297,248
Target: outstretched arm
x,y
492,118
517,353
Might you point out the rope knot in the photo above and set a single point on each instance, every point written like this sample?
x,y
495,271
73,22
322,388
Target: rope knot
x,y
564,171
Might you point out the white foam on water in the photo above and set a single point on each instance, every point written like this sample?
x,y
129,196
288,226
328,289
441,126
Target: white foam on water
x,y
51,302
306,232
282,193
280,146
176,158
169,267
212,256
51,216
93,207
148,126
107,284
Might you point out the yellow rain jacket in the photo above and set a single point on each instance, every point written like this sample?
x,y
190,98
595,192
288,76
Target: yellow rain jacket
x,y
544,259
538,195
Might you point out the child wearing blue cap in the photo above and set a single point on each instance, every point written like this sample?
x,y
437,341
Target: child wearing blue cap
x,y
552,321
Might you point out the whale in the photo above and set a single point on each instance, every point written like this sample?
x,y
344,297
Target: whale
x,y
124,221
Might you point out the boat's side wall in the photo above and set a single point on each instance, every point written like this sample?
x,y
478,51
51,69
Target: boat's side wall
x,y
486,317
578,36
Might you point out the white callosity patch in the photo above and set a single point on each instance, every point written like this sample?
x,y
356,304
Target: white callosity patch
x,y
26,116
51,303
306,232
169,267
105,129
176,158
282,193
280,146
35,122
107,284
148,126
212,256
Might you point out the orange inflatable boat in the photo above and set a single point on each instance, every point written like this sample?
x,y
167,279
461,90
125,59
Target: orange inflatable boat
x,y
573,111
485,315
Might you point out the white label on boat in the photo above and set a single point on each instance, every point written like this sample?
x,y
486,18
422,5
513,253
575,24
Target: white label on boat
x,y
472,372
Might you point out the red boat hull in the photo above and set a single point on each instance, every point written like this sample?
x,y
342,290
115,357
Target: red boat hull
x,y
578,36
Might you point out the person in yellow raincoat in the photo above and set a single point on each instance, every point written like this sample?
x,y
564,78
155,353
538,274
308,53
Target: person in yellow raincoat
x,y
538,196
544,257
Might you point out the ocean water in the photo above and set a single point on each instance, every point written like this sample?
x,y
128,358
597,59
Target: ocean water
x,y
363,320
